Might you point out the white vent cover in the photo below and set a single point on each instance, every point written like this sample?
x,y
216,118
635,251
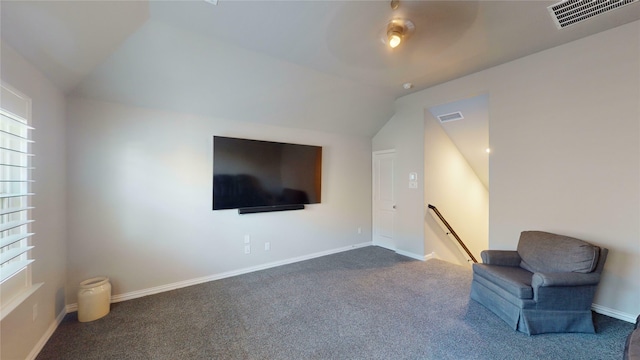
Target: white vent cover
x,y
569,12
450,117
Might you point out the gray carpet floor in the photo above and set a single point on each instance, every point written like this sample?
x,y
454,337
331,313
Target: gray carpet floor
x,y
367,303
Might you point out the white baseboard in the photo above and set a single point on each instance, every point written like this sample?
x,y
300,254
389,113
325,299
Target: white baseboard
x,y
614,313
47,334
73,307
431,255
413,256
181,284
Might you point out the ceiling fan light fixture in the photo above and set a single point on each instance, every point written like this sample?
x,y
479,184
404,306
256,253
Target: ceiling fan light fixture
x,y
397,31
395,40
394,36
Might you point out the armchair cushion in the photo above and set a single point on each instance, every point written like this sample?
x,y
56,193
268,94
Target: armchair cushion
x,y
516,281
545,252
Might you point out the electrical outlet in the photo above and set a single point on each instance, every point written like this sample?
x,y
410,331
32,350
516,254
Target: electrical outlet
x,y
267,246
35,312
247,249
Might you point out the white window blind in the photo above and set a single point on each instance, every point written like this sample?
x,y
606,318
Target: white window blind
x,y
15,194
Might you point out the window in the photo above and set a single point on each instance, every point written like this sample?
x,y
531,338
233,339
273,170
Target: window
x,y
15,195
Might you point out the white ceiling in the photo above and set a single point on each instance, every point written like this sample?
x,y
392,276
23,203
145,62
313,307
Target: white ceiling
x,y
311,64
67,40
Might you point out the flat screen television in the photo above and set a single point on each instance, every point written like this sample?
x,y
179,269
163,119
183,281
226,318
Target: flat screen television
x,y
255,176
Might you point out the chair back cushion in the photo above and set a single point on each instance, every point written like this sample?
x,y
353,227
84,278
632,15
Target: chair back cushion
x,y
546,252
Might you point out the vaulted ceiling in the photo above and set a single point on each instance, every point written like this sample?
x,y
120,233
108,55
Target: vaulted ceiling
x,y
311,64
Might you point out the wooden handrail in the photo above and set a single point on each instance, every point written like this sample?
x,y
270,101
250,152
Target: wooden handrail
x,y
452,232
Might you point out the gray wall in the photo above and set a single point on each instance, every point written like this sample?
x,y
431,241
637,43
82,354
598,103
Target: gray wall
x,y
565,138
19,333
140,185
566,134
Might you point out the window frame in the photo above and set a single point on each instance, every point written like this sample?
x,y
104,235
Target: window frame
x,y
16,244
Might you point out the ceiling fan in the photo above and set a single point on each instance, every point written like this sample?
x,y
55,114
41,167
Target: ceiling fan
x,y
398,29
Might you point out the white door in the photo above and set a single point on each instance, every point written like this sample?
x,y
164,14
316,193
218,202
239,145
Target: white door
x,y
384,205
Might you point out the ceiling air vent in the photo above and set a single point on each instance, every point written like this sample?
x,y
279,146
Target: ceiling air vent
x,y
569,12
450,117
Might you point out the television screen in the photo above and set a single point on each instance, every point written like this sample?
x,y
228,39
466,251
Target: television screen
x,y
253,173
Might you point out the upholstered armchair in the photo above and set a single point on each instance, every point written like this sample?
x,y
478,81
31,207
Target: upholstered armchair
x,y
547,285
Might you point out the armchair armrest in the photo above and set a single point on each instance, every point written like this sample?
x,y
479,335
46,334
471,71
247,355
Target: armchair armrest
x,y
568,291
564,279
500,257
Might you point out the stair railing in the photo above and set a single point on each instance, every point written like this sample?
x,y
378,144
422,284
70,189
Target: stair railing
x,y
452,232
